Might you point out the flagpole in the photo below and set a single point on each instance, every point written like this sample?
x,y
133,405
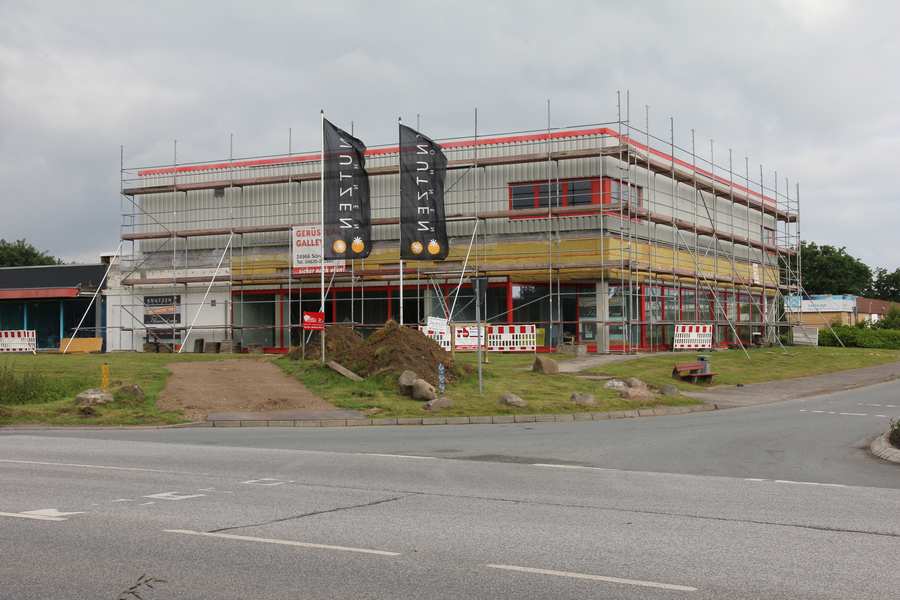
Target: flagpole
x,y
322,232
400,181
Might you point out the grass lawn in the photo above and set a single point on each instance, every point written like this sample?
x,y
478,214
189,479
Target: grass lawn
x,y
765,364
64,376
505,373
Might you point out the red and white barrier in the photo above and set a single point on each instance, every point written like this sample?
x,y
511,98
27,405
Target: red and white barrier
x,y
18,340
692,337
511,338
439,334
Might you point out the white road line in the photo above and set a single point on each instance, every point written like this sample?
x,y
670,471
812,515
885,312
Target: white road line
x,y
638,582
33,517
80,466
754,479
840,485
174,496
883,416
577,467
803,410
395,455
819,411
123,500
854,414
246,538
147,503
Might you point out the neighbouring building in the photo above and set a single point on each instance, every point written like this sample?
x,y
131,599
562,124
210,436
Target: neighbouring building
x,y
603,237
51,300
822,310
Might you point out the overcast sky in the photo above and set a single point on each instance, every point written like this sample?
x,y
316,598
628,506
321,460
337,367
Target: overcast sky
x,y
805,87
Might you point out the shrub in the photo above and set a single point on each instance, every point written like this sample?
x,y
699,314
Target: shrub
x,y
27,388
894,433
854,337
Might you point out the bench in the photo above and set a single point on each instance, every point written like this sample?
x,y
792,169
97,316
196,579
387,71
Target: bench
x,y
692,372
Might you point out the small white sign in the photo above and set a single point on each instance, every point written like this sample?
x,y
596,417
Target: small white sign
x,y
306,252
436,323
18,340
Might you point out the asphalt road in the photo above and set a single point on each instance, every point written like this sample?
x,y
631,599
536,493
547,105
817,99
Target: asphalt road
x,y
774,501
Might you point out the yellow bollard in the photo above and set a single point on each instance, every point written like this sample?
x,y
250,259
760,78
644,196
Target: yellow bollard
x,y
104,376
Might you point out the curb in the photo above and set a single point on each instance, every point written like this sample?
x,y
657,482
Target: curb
x,y
883,449
657,411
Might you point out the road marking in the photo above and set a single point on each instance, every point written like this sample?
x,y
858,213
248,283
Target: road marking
x,y
267,481
43,514
246,538
637,582
810,483
174,496
80,466
840,485
396,455
804,410
578,467
123,500
819,411
27,516
854,414
883,416
147,503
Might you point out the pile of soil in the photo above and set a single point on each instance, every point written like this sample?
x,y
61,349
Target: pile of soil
x,y
391,349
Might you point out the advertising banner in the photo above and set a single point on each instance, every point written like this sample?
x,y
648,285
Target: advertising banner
x,y
348,228
162,311
306,248
423,168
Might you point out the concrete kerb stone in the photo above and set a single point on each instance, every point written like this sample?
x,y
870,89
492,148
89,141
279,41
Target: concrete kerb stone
x,y
884,450
475,420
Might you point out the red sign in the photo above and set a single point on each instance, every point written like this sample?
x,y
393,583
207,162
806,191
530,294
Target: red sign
x,y
313,321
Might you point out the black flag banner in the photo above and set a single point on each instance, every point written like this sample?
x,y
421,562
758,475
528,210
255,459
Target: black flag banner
x,y
423,167
347,214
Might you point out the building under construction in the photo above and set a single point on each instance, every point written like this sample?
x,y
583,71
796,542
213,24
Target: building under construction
x,y
603,236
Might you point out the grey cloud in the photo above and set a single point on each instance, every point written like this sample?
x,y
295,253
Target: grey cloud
x,y
804,87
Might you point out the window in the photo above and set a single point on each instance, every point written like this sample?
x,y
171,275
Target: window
x,y
548,195
631,195
580,192
522,196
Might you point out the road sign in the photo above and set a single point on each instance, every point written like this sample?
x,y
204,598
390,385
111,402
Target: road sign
x,y
692,337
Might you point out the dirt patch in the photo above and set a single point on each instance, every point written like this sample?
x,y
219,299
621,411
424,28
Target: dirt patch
x,y
199,388
391,349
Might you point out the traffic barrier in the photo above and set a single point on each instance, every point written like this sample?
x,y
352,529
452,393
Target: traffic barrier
x,y
511,338
18,340
692,337
438,334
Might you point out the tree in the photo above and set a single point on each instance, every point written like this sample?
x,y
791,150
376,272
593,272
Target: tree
x,y
886,285
830,270
22,254
891,320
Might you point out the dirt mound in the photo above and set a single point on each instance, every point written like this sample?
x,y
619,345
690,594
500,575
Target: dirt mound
x,y
391,349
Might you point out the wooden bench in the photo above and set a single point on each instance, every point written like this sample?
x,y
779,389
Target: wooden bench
x,y
692,372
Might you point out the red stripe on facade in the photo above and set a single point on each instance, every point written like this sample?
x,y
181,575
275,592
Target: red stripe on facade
x,y
33,293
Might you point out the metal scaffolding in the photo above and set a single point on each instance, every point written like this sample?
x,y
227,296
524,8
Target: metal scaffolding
x,y
675,237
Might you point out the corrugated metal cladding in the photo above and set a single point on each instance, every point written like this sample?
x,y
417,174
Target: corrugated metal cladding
x,y
297,203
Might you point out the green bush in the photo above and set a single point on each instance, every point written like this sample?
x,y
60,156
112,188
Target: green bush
x,y
28,388
894,435
855,337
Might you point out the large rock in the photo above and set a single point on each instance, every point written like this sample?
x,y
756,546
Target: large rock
x,y
422,390
669,390
406,381
129,394
511,399
438,403
634,382
582,399
615,384
545,365
93,397
636,393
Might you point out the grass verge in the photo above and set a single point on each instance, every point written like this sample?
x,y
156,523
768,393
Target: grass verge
x,y
65,376
505,373
765,364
